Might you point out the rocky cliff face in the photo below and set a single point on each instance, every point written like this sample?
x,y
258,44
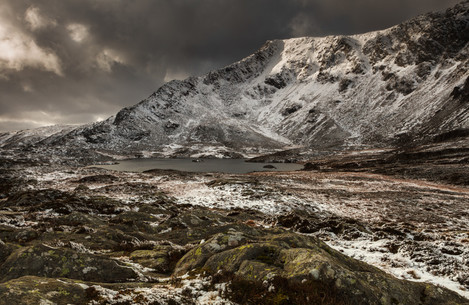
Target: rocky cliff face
x,y
366,90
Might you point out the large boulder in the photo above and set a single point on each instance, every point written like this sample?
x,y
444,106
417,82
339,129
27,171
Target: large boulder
x,y
302,259
219,243
44,261
31,290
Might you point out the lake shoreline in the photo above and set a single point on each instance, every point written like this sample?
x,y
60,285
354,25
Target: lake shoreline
x,y
229,166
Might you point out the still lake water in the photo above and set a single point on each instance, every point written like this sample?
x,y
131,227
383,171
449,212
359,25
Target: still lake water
x,y
231,166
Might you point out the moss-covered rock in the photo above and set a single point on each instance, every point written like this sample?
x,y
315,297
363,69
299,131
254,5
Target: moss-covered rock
x,y
297,258
31,290
257,271
198,256
231,260
160,258
44,261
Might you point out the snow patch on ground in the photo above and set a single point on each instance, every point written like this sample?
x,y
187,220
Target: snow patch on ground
x,y
231,196
398,264
195,289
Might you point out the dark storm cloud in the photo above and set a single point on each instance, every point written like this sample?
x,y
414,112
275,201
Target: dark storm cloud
x,y
77,61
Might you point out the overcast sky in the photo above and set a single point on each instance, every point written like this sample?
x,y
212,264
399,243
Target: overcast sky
x,y
78,61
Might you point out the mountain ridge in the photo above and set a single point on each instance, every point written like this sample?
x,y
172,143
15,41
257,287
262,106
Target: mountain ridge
x,y
336,92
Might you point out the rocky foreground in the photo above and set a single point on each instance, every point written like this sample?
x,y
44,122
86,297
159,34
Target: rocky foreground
x,y
91,236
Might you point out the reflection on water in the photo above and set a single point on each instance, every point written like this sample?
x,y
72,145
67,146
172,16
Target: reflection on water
x,y
232,166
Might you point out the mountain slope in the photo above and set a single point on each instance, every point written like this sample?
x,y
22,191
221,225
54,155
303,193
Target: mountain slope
x,y
371,90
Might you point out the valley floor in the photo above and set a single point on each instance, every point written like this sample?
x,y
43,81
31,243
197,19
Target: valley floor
x,y
412,229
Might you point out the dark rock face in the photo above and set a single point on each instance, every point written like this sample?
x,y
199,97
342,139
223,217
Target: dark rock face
x,y
278,81
444,35
344,84
122,116
404,86
378,48
291,110
250,67
461,93
96,135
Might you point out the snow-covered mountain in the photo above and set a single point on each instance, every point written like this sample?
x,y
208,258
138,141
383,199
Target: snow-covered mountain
x,y
408,82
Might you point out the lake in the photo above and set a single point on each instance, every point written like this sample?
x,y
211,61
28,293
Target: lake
x,y
232,166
